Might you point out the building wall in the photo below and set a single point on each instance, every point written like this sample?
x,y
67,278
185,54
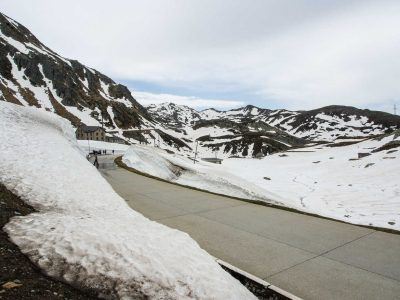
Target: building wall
x,y
98,135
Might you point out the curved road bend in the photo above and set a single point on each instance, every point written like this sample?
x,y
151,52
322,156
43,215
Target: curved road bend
x,y
311,257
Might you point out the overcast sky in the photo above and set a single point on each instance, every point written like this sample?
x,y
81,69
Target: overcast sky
x,y
278,54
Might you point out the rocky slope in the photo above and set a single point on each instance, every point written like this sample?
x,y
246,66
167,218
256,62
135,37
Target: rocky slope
x,y
31,74
323,124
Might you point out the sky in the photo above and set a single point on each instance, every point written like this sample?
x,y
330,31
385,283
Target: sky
x,y
294,54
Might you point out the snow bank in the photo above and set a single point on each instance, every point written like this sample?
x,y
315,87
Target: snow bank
x,y
83,232
328,181
147,160
202,175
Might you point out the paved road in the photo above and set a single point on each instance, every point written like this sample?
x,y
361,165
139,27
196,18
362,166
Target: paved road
x,y
312,258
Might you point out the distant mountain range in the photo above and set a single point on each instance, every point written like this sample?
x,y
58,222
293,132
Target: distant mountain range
x,y
249,130
33,75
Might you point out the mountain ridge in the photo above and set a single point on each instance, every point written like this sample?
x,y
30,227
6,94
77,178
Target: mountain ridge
x,y
362,122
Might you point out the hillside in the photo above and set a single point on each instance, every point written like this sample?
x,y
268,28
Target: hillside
x,y
31,74
34,75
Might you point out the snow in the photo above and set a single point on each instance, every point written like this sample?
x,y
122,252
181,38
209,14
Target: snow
x,y
83,232
17,45
85,82
254,111
183,113
148,161
83,115
327,181
202,175
12,21
104,92
14,89
210,114
39,92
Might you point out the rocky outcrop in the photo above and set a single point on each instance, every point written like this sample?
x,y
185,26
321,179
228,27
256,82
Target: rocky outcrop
x,y
64,83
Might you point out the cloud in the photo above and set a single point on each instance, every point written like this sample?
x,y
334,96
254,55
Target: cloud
x,y
302,54
146,98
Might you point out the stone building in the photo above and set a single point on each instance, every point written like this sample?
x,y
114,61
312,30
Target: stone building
x,y
94,133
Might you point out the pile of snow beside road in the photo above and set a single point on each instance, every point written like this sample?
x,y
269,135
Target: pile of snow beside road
x,y
328,181
83,232
147,160
202,175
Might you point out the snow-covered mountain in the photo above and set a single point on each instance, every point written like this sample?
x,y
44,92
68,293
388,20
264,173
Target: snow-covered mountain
x,y
31,74
174,115
223,133
323,124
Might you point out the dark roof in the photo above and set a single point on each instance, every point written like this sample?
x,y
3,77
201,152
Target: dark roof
x,y
90,128
115,138
212,159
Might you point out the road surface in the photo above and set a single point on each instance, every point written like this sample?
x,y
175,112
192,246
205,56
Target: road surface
x,y
310,257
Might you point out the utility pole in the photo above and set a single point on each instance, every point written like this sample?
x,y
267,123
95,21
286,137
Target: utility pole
x,y
195,153
394,109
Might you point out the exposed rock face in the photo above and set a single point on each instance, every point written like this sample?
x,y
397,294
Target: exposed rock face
x,y
32,74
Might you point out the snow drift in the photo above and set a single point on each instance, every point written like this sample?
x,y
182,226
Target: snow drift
x,y
83,232
203,175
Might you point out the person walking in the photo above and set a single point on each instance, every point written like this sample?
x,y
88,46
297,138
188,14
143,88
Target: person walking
x,y
96,162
